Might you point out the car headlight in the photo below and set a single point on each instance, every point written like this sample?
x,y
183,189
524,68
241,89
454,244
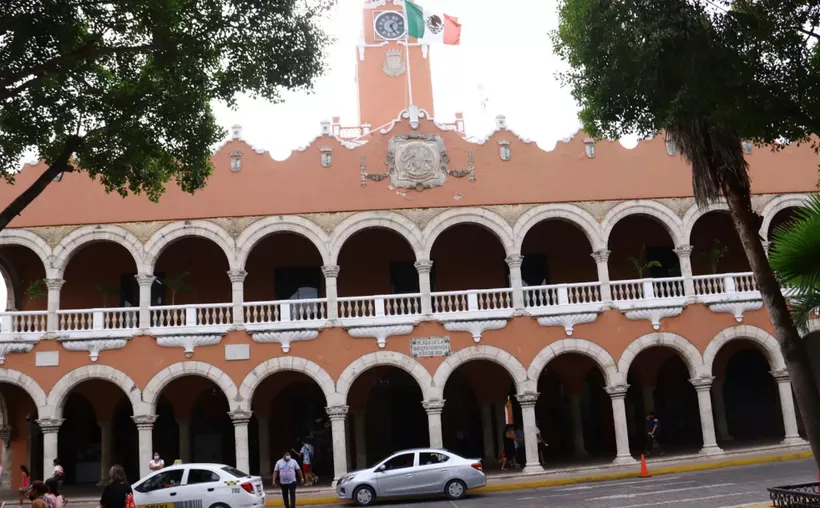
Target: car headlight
x,y
346,479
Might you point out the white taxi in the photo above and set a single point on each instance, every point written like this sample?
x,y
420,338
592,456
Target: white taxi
x,y
199,486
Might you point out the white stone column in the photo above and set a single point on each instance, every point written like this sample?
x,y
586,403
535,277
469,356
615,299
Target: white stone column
x,y
54,286
5,457
617,393
240,432
721,426
106,443
184,440
50,427
766,245
434,409
263,423
684,253
703,385
331,273
527,402
145,436
601,258
360,435
578,445
338,415
648,393
784,386
487,433
424,266
145,282
238,296
514,262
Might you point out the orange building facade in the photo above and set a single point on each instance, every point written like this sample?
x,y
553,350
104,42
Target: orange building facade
x,y
392,284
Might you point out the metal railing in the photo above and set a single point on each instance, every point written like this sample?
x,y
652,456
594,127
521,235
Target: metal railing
x,y
796,496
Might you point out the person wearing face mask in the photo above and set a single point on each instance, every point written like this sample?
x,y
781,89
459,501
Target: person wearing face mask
x,y
286,471
157,463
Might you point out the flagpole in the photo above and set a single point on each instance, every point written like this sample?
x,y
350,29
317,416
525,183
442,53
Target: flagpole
x,y
407,52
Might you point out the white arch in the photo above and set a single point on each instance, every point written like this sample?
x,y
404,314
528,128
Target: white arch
x,y
286,363
391,358
30,386
28,239
689,353
663,214
78,238
584,347
776,205
480,216
694,213
280,224
376,219
178,230
517,371
154,387
568,213
60,391
767,343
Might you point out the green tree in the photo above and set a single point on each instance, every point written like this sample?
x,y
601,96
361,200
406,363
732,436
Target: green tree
x,y
178,283
123,90
708,77
641,264
717,252
36,290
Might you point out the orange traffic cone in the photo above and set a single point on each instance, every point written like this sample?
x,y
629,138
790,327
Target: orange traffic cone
x,y
644,470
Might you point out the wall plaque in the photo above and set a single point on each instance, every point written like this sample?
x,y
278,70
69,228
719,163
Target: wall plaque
x,y
428,347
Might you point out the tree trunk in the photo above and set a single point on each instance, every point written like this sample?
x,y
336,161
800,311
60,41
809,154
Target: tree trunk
x,y
785,331
60,165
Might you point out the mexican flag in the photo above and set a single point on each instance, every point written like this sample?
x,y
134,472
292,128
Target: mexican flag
x,y
431,27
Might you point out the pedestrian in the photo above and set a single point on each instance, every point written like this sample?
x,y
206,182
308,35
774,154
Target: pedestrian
x,y
59,472
653,427
285,471
157,463
57,499
520,455
306,454
117,493
542,445
37,495
509,448
25,483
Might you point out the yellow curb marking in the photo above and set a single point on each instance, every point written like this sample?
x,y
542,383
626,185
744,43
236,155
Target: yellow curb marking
x,y
558,482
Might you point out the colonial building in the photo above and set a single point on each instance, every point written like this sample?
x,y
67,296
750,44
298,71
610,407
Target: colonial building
x,y
392,284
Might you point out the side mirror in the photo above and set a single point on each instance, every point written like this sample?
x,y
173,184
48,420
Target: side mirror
x,y
380,469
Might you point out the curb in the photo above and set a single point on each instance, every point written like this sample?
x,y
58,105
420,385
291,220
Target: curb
x,y
558,482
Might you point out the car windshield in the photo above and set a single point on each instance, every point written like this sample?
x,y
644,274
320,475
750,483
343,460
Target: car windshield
x,y
234,472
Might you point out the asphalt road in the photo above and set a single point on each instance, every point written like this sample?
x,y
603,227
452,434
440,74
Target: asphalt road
x,y
734,487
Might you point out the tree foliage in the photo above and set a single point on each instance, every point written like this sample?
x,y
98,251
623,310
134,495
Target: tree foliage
x,y
123,90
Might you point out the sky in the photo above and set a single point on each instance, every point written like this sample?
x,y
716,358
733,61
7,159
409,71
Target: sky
x,y
504,65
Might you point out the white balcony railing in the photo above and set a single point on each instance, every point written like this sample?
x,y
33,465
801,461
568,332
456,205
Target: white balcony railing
x,y
706,285
445,302
27,321
284,311
202,314
562,294
356,307
117,318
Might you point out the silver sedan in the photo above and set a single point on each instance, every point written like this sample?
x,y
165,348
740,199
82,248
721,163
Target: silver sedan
x,y
409,473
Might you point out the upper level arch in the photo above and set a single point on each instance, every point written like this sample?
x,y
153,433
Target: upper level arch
x,y
776,205
178,230
695,212
368,220
569,213
80,237
490,353
665,217
263,228
30,240
478,216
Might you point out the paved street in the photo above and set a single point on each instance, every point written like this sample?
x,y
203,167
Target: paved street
x,y
734,487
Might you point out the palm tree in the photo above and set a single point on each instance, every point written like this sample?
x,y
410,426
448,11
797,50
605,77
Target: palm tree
x,y
641,264
715,254
177,284
36,290
794,257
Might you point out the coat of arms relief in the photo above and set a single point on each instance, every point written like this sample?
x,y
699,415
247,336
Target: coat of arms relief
x,y
417,161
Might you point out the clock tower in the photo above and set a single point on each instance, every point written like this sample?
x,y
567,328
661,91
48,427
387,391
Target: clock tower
x,y
382,75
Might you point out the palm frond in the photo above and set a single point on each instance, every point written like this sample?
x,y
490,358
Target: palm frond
x,y
796,249
803,304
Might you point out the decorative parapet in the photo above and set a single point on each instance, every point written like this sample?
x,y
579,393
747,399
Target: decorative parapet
x,y
380,333
284,337
189,342
475,327
93,346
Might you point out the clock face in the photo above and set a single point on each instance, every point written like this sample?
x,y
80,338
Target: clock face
x,y
390,25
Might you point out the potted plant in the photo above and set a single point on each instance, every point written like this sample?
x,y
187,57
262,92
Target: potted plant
x,y
36,290
105,290
641,264
177,283
715,254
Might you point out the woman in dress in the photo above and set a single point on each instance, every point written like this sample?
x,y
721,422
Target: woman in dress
x,y
25,483
117,491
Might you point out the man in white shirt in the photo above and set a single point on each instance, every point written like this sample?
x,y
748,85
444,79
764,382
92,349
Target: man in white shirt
x,y
157,463
286,470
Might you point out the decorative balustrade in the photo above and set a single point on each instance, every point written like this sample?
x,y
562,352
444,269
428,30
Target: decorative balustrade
x,y
279,311
629,290
562,294
445,302
355,307
24,321
669,287
725,283
203,314
78,320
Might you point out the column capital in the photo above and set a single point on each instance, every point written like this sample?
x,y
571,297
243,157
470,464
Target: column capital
x,y
337,412
50,425
527,399
617,391
600,256
240,417
145,279
434,406
237,275
54,284
144,422
683,251
423,265
330,271
514,260
781,375
702,383
5,434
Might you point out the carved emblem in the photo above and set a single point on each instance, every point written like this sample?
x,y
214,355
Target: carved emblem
x,y
504,150
435,24
417,161
394,64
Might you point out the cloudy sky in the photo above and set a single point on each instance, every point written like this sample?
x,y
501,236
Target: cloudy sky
x,y
504,65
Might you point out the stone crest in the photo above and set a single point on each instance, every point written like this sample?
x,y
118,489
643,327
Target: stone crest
x,y
417,161
394,65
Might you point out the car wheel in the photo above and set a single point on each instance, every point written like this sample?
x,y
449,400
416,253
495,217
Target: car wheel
x,y
219,505
364,495
455,490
